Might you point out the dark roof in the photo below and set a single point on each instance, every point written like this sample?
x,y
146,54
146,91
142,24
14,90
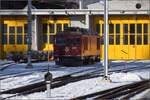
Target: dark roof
x,y
15,4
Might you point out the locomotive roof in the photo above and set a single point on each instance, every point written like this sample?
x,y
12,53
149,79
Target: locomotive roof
x,y
77,30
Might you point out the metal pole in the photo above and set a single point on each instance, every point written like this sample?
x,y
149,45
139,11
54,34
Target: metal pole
x,y
106,39
29,64
48,86
87,21
80,4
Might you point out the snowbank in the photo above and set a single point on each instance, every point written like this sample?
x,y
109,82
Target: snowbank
x,y
124,77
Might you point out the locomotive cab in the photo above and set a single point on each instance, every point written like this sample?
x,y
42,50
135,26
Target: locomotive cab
x,y
75,47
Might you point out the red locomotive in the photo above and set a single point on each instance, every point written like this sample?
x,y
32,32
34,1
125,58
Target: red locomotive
x,y
76,46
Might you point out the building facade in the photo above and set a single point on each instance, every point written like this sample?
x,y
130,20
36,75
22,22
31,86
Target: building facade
x,y
129,27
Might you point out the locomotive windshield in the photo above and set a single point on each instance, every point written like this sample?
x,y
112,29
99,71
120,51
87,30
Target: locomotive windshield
x,y
68,41
60,41
73,41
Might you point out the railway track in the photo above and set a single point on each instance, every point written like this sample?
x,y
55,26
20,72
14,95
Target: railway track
x,y
3,66
40,86
60,81
93,70
122,92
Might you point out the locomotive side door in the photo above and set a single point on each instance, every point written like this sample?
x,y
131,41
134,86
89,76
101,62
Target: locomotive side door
x,y
84,46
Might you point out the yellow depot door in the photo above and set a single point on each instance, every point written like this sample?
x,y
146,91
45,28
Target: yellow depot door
x,y
135,38
129,37
51,26
14,35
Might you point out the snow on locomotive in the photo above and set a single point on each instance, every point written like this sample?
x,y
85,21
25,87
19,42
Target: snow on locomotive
x,y
76,46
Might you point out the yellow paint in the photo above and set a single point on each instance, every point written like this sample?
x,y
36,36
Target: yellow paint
x,y
14,21
128,51
48,47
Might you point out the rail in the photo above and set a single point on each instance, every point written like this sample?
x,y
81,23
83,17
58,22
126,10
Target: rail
x,y
121,92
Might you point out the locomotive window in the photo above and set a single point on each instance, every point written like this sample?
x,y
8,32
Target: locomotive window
x,y
60,41
98,28
76,41
73,29
65,26
59,27
125,32
51,28
44,28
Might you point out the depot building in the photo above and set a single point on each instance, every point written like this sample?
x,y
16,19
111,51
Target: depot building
x,y
129,25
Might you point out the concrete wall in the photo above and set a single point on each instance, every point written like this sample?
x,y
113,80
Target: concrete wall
x,y
119,4
78,21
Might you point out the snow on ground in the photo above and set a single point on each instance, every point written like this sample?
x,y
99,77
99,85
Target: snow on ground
x,y
84,87
124,77
4,61
77,88
141,96
144,74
